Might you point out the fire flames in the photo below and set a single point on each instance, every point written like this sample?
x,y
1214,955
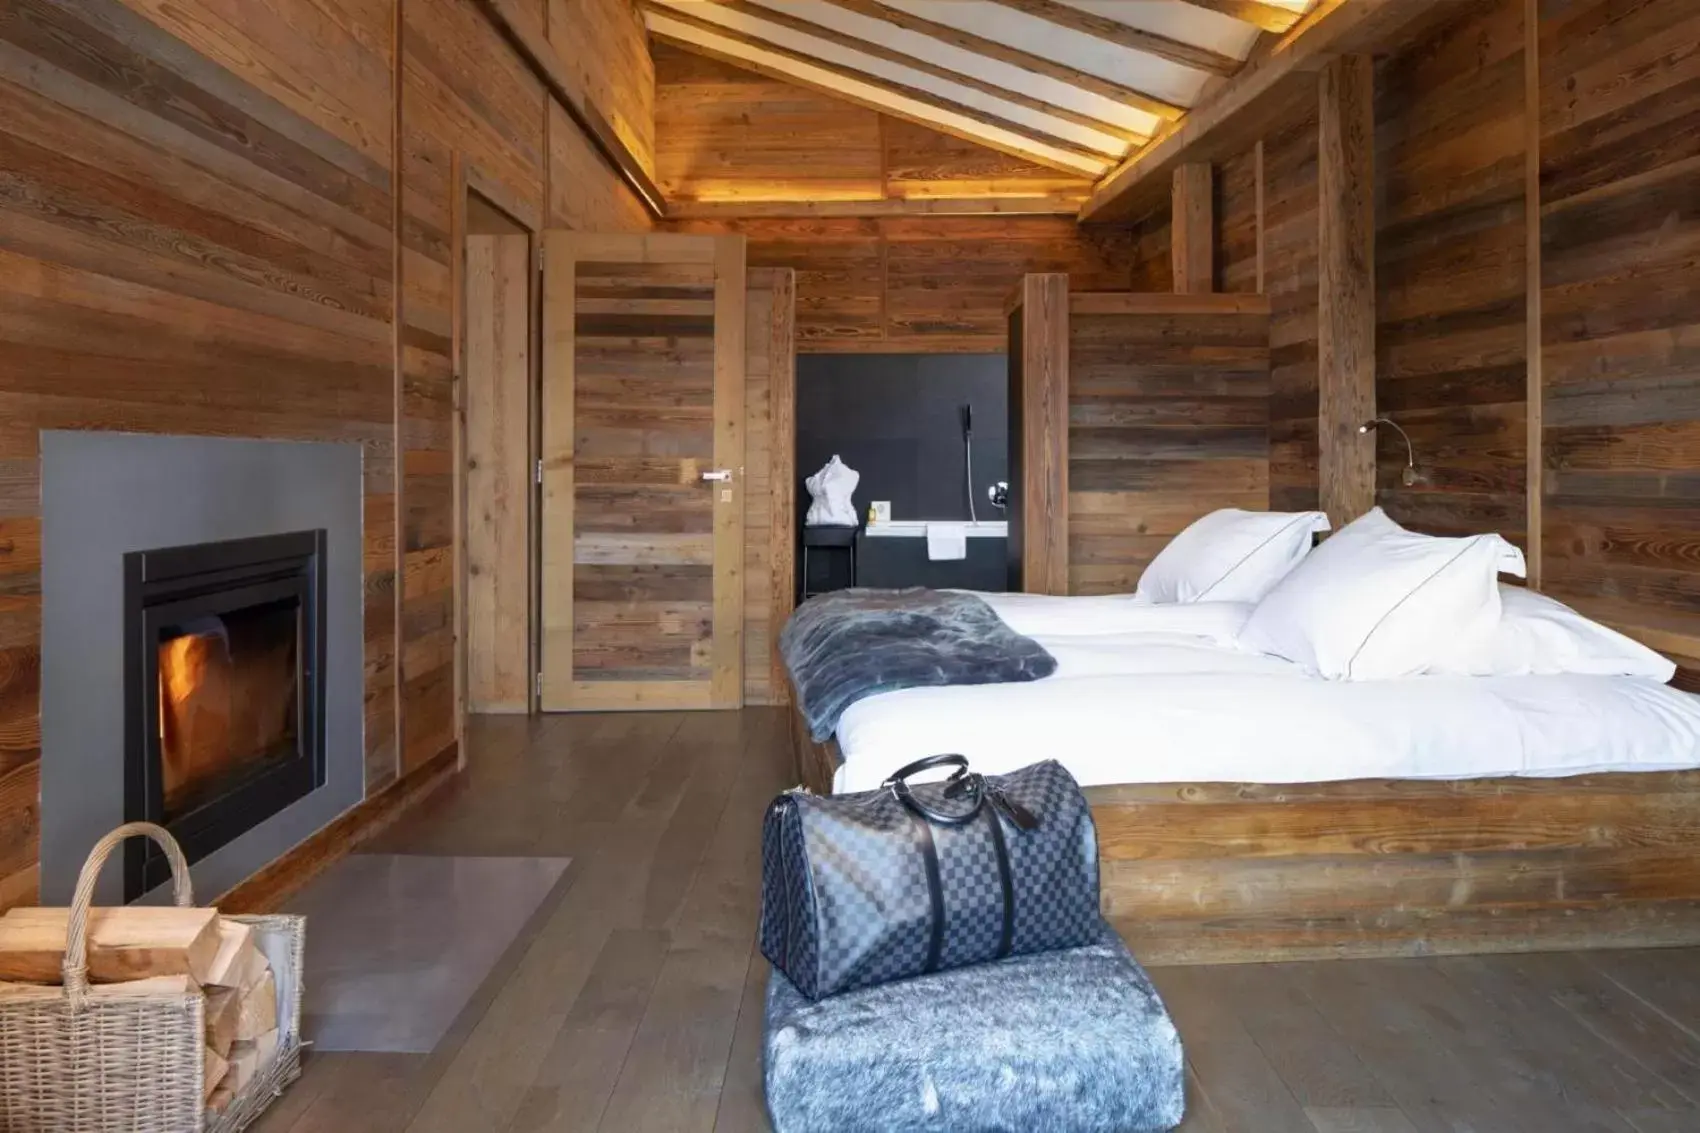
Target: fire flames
x,y
227,699
194,711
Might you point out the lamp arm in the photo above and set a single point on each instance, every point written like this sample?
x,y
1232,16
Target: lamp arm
x,y
1410,452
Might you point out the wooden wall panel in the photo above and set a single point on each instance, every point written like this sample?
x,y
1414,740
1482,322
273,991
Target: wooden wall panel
x,y
1153,267
498,403
925,283
329,64
770,479
1168,418
607,46
468,102
185,250
1619,103
723,133
1450,249
585,194
920,284
1238,235
198,238
1290,281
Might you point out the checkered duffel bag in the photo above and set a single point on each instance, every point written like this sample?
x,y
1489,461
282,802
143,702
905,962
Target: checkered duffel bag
x,y
863,889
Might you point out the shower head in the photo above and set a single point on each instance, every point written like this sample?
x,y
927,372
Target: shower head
x,y
967,419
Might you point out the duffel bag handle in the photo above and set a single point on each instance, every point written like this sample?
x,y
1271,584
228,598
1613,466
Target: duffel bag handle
x,y
960,782
960,762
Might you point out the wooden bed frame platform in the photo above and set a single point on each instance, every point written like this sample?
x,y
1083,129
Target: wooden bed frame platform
x,y
1196,873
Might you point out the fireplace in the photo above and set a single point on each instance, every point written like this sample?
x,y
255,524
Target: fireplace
x,y
224,692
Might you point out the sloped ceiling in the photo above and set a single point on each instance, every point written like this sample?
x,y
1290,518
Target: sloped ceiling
x,y
1076,85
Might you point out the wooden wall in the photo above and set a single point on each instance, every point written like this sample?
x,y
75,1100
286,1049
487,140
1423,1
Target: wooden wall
x,y
723,133
1619,121
606,45
920,284
182,251
895,283
1450,259
196,236
1168,419
1290,280
1594,185
770,479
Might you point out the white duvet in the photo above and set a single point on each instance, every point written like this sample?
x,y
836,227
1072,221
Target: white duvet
x,y
1155,694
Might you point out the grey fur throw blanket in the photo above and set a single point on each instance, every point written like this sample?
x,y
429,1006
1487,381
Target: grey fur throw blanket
x,y
850,644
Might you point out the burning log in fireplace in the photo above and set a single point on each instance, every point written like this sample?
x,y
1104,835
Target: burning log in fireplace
x,y
227,699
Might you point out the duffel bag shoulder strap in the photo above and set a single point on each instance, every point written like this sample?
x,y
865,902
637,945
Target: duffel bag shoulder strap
x,y
922,816
921,819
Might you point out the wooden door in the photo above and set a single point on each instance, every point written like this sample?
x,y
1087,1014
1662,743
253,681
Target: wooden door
x,y
643,454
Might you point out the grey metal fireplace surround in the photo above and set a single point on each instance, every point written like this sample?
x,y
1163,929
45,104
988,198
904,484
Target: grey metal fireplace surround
x,y
107,494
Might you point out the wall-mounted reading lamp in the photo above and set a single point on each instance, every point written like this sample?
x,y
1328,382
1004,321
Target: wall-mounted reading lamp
x,y
1412,475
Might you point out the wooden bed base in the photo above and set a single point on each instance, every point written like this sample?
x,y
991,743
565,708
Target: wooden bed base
x,y
1197,873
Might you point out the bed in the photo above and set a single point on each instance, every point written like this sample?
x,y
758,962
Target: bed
x,y
1247,811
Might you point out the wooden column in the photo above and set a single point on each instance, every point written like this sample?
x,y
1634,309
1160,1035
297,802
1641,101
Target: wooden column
x,y
1041,316
1534,391
1192,245
1346,283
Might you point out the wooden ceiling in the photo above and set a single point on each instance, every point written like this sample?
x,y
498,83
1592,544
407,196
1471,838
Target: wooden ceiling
x,y
1076,85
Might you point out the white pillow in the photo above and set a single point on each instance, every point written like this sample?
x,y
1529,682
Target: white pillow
x,y
1377,601
1230,556
1539,636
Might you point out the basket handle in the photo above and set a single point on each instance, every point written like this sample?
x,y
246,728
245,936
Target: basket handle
x,y
76,967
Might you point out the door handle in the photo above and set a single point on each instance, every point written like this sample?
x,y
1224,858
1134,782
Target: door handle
x,y
722,475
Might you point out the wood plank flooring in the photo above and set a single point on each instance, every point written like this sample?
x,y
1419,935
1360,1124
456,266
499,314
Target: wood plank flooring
x,y
632,1000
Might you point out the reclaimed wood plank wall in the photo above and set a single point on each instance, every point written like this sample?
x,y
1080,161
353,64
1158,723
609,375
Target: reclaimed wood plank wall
x,y
1290,280
1594,474
890,284
197,236
770,479
924,284
1450,250
1168,418
1619,145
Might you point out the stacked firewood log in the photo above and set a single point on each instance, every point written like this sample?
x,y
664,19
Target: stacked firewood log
x,y
154,950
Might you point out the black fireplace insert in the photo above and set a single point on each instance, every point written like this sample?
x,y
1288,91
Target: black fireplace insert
x,y
224,690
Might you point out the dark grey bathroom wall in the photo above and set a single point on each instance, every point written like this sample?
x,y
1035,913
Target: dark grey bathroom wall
x,y
104,494
897,419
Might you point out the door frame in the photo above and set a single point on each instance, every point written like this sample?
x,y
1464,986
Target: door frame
x,y
472,186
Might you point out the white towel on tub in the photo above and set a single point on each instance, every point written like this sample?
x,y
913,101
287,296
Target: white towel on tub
x,y
947,541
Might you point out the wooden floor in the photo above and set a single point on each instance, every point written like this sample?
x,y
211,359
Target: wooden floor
x,y
631,1002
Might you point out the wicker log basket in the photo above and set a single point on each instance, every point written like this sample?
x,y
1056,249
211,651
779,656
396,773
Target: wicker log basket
x,y
72,1061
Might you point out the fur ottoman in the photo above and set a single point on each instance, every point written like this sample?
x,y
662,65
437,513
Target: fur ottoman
x,y
1066,1042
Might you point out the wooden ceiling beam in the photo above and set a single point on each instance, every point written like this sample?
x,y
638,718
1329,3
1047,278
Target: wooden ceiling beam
x,y
796,23
1079,162
1120,34
1249,104
1013,56
1269,17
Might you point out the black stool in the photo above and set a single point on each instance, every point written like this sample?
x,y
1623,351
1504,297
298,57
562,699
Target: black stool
x,y
828,539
